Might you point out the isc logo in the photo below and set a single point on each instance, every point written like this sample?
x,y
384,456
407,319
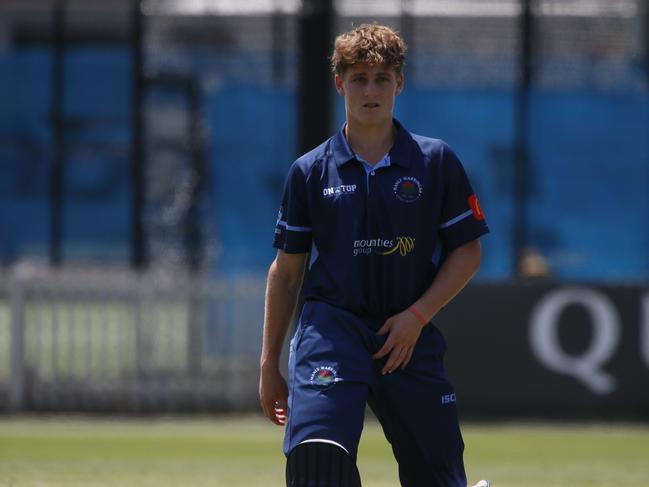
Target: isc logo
x,y
448,398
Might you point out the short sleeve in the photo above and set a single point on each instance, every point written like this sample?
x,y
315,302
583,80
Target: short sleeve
x,y
293,227
462,217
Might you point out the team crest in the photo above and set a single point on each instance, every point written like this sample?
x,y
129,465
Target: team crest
x,y
324,376
407,189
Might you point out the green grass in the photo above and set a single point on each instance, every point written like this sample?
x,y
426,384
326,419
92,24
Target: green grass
x,y
246,451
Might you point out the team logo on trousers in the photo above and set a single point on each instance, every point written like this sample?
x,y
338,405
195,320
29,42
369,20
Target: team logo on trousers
x,y
324,376
407,189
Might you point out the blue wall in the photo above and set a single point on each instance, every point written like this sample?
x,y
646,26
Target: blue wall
x,y
588,212
95,218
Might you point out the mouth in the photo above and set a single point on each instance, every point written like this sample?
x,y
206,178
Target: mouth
x,y
371,105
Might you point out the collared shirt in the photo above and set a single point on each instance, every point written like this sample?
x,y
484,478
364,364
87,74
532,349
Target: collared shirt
x,y
369,168
377,239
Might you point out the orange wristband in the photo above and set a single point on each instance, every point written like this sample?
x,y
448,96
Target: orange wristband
x,y
418,315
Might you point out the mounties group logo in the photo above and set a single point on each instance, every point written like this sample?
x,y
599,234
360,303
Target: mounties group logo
x,y
403,245
407,189
384,246
324,376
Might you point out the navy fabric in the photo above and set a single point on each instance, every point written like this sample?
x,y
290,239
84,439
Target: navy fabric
x,y
377,240
332,376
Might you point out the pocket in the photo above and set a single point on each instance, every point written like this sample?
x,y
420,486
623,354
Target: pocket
x,y
302,323
297,336
431,345
292,352
439,342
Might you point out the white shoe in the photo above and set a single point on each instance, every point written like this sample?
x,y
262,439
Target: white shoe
x,y
483,483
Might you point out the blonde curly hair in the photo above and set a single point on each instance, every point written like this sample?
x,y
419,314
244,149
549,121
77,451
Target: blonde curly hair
x,y
369,43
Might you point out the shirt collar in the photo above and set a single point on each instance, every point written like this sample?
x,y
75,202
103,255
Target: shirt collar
x,y
399,153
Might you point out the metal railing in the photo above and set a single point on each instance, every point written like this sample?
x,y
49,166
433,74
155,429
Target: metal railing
x,y
116,340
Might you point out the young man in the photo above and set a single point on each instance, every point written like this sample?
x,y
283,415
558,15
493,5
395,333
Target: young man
x,y
391,227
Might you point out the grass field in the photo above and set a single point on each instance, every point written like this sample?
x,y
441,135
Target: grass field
x,y
246,451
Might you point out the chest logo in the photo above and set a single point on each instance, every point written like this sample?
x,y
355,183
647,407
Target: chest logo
x,y
384,246
403,245
407,189
338,190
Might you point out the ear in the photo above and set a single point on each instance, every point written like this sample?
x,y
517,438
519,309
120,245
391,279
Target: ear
x,y
338,79
400,81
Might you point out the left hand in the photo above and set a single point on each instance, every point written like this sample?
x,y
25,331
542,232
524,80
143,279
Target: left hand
x,y
403,331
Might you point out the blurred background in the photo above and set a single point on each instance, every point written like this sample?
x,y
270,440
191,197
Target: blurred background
x,y
143,150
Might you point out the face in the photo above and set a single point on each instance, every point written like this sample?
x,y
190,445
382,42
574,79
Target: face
x,y
369,93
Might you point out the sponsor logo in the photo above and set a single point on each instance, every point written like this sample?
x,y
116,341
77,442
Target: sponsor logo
x,y
448,398
338,190
383,246
475,207
407,189
324,376
404,245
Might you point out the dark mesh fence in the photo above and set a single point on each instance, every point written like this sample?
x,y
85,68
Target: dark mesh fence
x,y
588,140
219,116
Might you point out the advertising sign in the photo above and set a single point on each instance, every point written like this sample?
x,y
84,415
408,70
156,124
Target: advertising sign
x,y
543,350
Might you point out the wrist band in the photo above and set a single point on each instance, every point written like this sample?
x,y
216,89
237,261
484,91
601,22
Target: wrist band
x,y
418,315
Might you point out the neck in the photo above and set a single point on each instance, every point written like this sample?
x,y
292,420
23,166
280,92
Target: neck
x,y
370,142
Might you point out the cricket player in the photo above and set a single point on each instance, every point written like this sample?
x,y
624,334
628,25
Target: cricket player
x,y
382,226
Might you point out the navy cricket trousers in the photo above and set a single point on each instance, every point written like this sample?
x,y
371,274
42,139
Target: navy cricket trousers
x,y
332,377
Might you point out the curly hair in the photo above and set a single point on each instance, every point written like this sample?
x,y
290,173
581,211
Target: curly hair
x,y
368,43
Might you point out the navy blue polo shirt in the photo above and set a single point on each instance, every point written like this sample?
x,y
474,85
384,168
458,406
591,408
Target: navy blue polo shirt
x,y
377,236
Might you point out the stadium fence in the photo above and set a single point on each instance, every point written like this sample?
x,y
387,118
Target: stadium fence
x,y
117,340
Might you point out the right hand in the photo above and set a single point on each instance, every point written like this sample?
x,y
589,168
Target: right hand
x,y
273,395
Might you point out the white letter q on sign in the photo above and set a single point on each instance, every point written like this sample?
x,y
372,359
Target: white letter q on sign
x,y
586,367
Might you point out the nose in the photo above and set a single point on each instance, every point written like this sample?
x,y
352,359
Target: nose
x,y
371,89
